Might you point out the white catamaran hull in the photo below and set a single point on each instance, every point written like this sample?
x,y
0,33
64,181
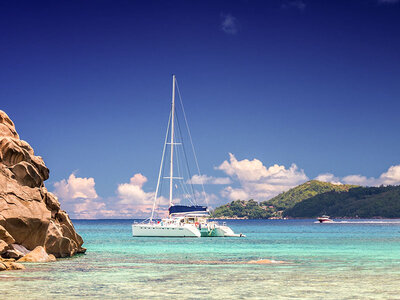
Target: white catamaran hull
x,y
148,230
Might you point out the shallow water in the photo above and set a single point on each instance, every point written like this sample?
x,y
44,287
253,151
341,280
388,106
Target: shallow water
x,y
351,260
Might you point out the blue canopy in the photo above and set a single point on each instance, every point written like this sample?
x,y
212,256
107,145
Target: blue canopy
x,y
176,209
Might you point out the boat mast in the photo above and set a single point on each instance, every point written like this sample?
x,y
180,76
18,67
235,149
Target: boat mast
x,y
171,168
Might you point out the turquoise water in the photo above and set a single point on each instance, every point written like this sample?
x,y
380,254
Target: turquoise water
x,y
359,260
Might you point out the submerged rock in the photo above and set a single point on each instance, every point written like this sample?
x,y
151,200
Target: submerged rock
x,y
10,265
265,262
30,216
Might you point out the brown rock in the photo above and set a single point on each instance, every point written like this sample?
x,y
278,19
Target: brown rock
x,y
265,262
37,255
3,247
27,174
52,257
51,201
28,212
19,248
5,236
13,265
10,264
13,254
7,259
7,127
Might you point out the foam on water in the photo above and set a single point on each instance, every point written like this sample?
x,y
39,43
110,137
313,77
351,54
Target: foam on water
x,y
359,260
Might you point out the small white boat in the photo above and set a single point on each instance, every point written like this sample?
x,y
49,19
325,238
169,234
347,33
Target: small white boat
x,y
182,221
324,219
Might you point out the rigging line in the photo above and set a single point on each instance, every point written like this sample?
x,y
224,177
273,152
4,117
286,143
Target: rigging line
x,y
182,183
191,141
160,171
161,187
186,159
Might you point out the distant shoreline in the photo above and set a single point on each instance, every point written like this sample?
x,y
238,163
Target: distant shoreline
x,y
306,218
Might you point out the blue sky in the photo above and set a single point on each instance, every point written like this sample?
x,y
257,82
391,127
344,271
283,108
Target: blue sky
x,y
309,83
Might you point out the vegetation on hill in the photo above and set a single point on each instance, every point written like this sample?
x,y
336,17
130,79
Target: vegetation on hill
x,y
304,191
315,198
362,202
273,208
244,209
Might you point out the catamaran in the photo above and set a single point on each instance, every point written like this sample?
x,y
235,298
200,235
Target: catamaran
x,y
183,220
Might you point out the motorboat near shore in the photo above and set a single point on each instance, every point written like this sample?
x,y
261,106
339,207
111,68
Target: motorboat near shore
x,y
324,219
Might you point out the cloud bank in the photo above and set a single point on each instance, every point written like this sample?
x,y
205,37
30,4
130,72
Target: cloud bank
x,y
133,200
245,179
390,177
79,197
258,181
204,179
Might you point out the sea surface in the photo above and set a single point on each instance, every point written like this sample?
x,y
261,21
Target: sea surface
x,y
355,259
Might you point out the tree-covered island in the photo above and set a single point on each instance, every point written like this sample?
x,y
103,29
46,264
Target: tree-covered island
x,y
315,198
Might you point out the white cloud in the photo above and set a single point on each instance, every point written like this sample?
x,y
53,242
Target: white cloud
x,y
245,169
296,4
247,179
257,181
132,197
75,187
235,194
390,177
78,197
229,24
90,209
359,180
204,179
328,177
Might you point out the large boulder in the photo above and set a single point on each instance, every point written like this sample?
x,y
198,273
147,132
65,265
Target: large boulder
x,y
38,254
29,214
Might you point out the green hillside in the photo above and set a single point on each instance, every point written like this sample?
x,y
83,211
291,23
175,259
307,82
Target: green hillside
x,y
244,209
273,208
363,202
304,191
315,198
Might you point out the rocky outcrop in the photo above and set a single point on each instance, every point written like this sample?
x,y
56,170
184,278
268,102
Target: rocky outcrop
x,y
38,254
29,214
10,264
